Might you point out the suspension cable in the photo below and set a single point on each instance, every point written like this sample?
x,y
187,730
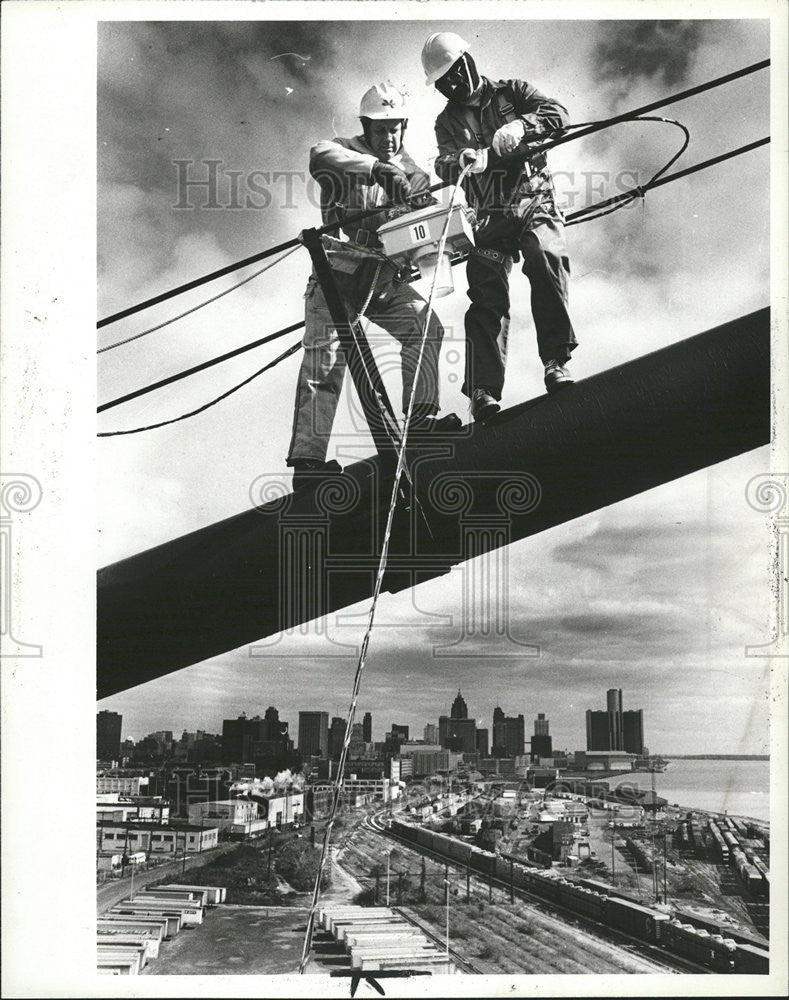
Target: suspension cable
x,y
184,416
673,99
357,217
377,589
606,207
200,305
199,368
572,219
582,215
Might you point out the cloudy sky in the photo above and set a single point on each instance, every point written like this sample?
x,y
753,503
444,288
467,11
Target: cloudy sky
x,y
658,595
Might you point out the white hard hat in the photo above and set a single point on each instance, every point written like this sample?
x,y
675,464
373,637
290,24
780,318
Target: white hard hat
x,y
383,102
440,52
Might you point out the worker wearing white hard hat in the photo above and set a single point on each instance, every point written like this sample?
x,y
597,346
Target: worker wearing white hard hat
x,y
493,126
356,174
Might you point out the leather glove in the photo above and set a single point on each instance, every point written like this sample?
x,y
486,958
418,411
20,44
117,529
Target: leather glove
x,y
508,138
479,157
392,180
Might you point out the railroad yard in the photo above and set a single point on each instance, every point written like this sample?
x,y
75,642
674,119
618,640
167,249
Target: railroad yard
x,y
528,920
493,934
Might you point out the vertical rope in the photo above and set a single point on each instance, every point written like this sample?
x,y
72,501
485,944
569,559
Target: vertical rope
x,y
376,593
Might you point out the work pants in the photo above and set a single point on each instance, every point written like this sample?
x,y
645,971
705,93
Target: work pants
x,y
546,265
399,310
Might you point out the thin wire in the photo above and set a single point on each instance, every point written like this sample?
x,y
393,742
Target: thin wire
x,y
206,406
609,205
200,305
570,220
199,368
357,217
575,218
376,591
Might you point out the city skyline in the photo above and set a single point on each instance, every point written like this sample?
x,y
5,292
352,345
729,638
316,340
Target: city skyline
x,y
382,724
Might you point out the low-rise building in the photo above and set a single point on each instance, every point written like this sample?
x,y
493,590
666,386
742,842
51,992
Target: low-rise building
x,y
121,784
128,838
604,760
225,814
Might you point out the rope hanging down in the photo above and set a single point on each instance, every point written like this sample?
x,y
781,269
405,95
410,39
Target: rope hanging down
x,y
376,592
357,217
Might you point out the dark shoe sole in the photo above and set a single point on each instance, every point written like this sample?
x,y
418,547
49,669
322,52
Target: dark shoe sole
x,y
486,412
561,384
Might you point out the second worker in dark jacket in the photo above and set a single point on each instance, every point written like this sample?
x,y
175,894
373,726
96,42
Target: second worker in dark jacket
x,y
491,124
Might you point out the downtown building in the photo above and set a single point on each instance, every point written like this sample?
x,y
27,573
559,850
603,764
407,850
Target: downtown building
x,y
108,735
263,743
615,729
541,741
509,734
457,732
314,734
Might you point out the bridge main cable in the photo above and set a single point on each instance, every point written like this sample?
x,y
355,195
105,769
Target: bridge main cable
x,y
682,408
357,217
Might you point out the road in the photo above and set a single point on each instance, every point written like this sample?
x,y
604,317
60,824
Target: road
x,y
110,893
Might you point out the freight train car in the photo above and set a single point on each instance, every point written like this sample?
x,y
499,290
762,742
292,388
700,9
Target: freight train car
x,y
581,900
752,959
633,918
716,927
713,951
483,861
720,844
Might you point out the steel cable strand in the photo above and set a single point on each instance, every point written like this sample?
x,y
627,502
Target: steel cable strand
x,y
613,204
331,227
206,406
574,218
200,305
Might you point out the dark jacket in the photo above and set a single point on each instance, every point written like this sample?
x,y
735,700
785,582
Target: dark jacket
x,y
504,186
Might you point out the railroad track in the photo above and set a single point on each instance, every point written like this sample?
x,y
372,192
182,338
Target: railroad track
x,y
462,963
611,935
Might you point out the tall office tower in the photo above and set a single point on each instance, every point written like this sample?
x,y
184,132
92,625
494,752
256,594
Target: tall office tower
x,y
314,734
461,735
499,732
615,729
399,733
515,735
336,736
274,728
238,738
614,709
367,727
483,746
633,731
431,733
541,742
596,730
108,735
459,709
509,734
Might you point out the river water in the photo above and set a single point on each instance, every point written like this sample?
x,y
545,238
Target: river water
x,y
739,787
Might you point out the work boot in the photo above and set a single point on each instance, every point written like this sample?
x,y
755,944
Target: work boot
x,y
428,424
557,376
483,405
311,472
